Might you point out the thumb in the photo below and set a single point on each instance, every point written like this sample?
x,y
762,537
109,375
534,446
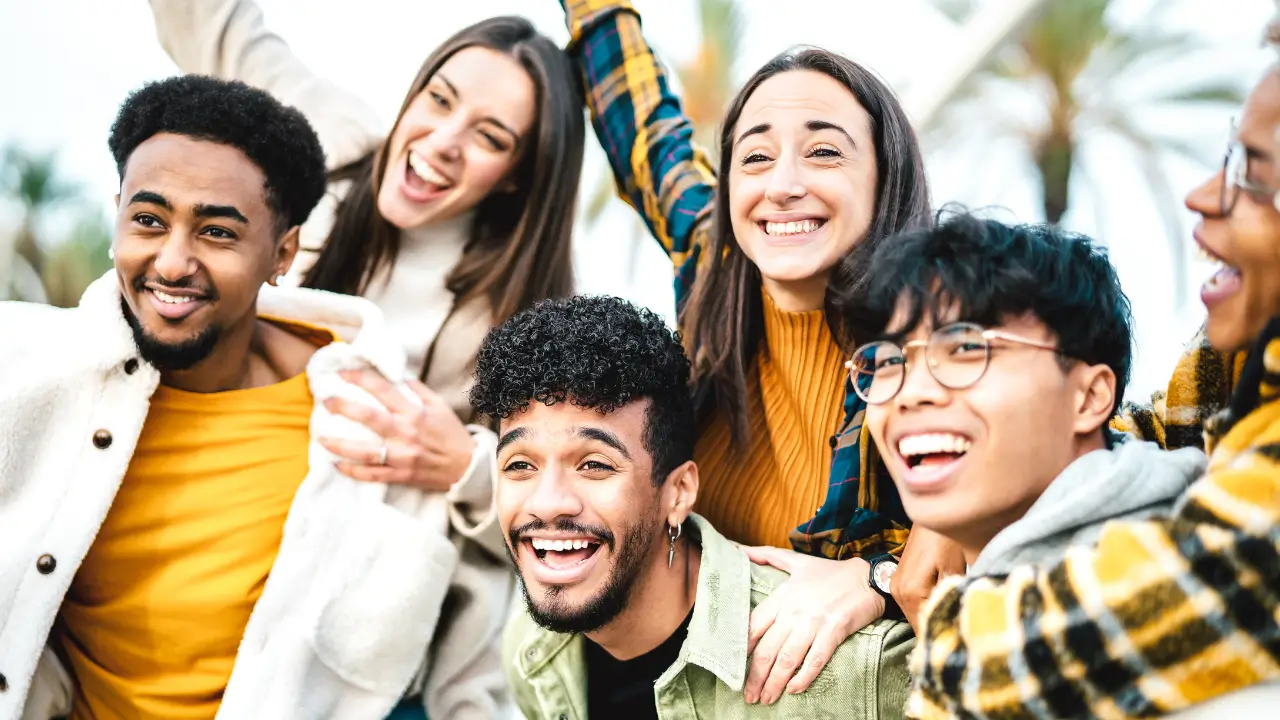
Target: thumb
x,y
772,556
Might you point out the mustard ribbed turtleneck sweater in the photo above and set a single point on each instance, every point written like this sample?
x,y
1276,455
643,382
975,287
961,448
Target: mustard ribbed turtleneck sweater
x,y
759,493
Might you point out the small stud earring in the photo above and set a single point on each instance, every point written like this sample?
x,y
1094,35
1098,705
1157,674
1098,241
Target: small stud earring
x,y
111,253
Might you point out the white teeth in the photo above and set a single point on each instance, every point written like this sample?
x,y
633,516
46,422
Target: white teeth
x,y
560,545
423,169
172,299
914,445
792,228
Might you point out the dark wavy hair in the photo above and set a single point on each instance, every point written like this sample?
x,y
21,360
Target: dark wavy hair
x,y
989,272
519,250
724,316
595,352
276,138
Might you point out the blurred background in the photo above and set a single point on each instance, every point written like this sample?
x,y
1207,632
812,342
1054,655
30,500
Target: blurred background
x,y
1098,114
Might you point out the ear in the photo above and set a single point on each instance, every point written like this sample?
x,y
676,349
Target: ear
x,y
680,492
286,251
1095,397
117,200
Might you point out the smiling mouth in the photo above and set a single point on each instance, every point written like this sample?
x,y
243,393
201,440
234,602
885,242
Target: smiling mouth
x,y
790,229
933,449
563,554
1224,281
421,170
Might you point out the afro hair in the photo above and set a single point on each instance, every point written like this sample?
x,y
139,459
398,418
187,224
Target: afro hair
x,y
276,138
595,352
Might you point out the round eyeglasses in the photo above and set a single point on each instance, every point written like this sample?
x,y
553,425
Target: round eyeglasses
x,y
1235,178
957,356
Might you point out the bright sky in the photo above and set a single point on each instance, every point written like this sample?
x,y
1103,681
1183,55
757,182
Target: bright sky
x,y
69,64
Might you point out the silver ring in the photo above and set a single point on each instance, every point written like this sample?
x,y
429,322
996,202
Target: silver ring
x,y
382,455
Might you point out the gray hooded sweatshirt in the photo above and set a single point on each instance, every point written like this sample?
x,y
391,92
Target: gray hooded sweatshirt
x,y
1133,481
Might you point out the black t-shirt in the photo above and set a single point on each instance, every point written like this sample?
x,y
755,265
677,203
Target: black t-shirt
x,y
623,689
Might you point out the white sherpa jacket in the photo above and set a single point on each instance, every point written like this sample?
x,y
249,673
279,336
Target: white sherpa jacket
x,y
377,590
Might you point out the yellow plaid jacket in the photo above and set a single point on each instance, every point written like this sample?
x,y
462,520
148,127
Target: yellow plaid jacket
x,y
1161,614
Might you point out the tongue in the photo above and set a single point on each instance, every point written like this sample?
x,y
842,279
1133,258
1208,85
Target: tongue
x,y
1223,283
560,559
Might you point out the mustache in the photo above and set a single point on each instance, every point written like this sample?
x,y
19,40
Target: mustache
x,y
564,525
141,282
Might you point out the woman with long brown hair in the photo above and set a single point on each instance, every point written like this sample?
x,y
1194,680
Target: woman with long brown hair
x,y
818,165
457,218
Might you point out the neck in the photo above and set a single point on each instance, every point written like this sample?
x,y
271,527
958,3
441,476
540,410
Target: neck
x,y
255,355
658,604
975,538
797,295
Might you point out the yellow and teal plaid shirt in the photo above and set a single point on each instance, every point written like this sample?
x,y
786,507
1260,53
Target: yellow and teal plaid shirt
x,y
1161,614
669,181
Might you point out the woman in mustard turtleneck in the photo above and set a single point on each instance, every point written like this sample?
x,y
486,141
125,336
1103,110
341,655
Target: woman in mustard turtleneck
x,y
818,164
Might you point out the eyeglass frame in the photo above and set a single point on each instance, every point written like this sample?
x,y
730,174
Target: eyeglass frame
x,y
1241,182
986,334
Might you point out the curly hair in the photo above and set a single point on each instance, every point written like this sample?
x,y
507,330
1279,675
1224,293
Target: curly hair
x,y
595,352
276,138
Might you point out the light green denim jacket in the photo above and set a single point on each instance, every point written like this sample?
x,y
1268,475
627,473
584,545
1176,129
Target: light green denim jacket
x,y
867,678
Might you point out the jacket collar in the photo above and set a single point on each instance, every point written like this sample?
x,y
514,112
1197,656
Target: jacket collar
x,y
717,638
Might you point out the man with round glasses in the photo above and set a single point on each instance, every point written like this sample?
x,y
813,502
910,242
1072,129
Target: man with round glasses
x,y
998,355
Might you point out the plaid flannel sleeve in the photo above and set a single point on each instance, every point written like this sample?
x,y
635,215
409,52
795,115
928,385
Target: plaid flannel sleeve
x,y
1201,386
638,119
1159,616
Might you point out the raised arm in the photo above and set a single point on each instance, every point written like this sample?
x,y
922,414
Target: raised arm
x,y
1159,616
649,141
228,39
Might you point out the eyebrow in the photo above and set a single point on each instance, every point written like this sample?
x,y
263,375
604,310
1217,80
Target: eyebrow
x,y
229,212
201,210
818,125
603,436
151,198
454,89
811,126
511,437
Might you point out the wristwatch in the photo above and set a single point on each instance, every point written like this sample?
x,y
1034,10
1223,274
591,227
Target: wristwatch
x,y
882,569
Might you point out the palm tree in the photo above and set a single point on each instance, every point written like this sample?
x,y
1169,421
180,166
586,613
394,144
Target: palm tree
x,y
34,182
707,84
1071,63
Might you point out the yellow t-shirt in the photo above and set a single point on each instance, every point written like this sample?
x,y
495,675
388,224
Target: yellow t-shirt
x,y
155,614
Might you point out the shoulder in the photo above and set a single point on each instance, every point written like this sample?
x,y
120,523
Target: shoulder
x,y
32,331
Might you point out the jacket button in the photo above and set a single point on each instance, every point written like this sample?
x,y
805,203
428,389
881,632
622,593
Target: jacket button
x,y
46,564
564,716
4,684
130,366
102,439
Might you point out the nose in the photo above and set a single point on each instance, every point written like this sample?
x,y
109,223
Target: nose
x,y
447,139
1206,198
554,496
175,259
919,387
785,182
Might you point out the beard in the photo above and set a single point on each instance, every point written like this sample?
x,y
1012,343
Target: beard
x,y
171,357
553,612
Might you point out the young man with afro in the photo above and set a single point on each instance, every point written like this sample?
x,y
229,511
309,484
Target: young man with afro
x,y
177,543
633,602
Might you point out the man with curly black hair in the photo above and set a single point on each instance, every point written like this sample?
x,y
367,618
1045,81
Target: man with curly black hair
x,y
154,439
634,602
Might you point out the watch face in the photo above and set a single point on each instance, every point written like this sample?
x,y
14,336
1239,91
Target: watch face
x,y
882,573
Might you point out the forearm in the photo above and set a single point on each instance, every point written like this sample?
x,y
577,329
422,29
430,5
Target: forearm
x,y
229,39
640,124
